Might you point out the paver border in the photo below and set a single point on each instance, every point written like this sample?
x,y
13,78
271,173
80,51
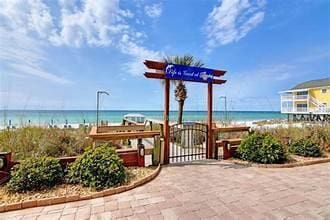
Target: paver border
x,y
77,197
288,165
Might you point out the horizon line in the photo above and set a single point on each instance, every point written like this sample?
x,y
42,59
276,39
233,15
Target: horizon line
x,y
148,110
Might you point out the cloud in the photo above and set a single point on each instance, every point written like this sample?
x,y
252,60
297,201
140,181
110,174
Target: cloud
x,y
153,11
26,17
232,20
21,55
138,54
36,70
94,23
104,23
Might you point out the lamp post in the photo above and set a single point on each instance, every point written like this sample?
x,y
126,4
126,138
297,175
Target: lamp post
x,y
225,98
97,107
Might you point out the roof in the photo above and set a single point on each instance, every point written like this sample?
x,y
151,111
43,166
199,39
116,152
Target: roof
x,y
313,84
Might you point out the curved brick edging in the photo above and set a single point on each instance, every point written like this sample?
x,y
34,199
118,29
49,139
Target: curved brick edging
x,y
73,198
288,165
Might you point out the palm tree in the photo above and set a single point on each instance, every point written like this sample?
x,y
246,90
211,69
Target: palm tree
x,y
180,91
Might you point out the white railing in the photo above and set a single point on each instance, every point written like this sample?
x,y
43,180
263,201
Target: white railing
x,y
287,110
294,97
301,97
320,110
295,110
287,97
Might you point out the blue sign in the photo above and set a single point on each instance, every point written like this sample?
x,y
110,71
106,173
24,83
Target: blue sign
x,y
188,73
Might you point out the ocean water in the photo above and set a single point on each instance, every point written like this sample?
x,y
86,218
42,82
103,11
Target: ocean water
x,y
45,117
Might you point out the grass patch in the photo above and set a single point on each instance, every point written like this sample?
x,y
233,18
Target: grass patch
x,y
318,134
33,141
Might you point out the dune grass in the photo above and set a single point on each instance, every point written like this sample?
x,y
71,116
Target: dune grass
x,y
319,134
30,141
33,141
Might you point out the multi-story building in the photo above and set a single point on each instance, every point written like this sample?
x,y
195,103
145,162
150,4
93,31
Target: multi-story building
x,y
308,101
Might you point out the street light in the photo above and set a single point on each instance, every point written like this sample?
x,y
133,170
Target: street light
x,y
97,107
225,98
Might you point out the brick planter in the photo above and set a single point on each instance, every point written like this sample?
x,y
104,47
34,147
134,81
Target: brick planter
x,y
72,198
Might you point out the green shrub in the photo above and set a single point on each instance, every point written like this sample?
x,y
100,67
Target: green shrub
x,y
261,148
98,168
35,174
305,147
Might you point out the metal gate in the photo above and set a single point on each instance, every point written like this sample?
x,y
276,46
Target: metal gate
x,y
188,142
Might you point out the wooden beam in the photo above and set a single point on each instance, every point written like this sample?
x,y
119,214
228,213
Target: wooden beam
x,y
155,64
218,81
120,128
231,129
219,72
231,141
124,135
154,75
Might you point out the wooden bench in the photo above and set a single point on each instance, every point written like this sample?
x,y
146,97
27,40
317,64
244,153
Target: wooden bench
x,y
229,145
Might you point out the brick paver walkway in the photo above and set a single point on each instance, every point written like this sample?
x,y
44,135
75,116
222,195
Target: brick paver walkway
x,y
208,190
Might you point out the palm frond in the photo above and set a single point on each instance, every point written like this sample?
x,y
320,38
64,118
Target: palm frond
x,y
187,60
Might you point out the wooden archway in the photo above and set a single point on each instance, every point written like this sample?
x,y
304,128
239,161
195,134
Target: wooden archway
x,y
158,70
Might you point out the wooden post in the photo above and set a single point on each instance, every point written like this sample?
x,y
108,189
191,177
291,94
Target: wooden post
x,y
141,154
209,121
226,151
166,121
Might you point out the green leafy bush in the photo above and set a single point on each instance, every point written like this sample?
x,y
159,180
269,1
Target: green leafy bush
x,y
305,147
261,148
35,174
98,168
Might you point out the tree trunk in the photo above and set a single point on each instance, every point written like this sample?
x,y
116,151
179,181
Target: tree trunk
x,y
180,111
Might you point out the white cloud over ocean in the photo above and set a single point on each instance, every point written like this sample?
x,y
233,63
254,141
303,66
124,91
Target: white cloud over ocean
x,y
231,20
92,23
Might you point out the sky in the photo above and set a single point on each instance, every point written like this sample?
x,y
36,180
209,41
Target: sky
x,y
55,54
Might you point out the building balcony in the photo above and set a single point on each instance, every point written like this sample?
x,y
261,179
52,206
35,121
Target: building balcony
x,y
300,97
291,97
294,110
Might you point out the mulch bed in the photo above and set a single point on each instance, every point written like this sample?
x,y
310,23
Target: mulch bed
x,y
6,197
